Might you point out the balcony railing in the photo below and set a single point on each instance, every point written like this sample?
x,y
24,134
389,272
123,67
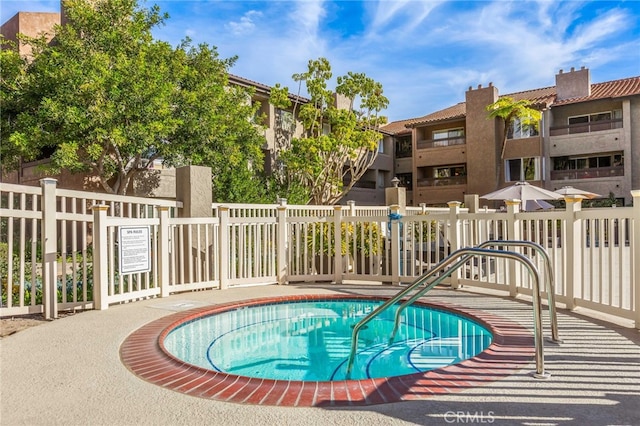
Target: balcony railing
x,y
600,172
437,143
595,126
455,180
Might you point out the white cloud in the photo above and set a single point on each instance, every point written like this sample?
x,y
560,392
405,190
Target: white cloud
x,y
425,53
245,25
304,20
399,17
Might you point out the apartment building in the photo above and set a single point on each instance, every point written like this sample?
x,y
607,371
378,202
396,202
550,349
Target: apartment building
x,y
369,190
589,138
32,24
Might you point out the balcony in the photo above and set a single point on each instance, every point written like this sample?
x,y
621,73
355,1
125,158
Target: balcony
x,y
600,172
594,126
438,143
455,180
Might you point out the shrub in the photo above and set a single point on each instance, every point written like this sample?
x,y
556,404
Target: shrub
x,y
368,238
320,237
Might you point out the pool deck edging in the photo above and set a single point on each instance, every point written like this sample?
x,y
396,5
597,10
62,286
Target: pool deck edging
x,y
141,352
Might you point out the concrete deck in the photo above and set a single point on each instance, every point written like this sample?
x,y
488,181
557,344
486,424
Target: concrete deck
x,y
68,372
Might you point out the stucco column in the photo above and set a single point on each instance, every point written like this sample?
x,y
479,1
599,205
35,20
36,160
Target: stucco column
x,y
194,190
396,196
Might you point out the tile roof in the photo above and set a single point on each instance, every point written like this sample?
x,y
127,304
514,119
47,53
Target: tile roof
x,y
261,88
608,90
396,127
538,97
453,112
543,97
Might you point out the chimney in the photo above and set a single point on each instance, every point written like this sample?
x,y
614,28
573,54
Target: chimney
x,y
573,84
341,101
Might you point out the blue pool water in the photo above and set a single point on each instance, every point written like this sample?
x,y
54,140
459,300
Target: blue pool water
x,y
311,340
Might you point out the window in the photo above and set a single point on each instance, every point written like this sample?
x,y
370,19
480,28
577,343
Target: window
x,y
449,171
406,180
519,129
403,147
522,169
284,119
598,116
448,133
591,162
597,121
447,137
593,166
590,118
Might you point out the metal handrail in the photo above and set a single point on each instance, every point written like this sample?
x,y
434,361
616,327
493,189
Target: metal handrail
x,y
451,259
493,243
551,293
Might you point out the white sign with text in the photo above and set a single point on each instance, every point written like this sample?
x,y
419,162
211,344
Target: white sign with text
x,y
134,249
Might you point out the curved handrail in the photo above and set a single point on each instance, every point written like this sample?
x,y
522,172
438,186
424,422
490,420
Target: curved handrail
x,y
492,243
451,259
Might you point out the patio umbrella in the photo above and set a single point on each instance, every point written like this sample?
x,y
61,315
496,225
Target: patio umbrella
x,y
531,205
570,190
524,192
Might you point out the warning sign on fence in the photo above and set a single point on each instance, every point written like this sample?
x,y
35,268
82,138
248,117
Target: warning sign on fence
x,y
134,249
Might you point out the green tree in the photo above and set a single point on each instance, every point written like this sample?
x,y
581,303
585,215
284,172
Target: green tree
x,y
105,98
12,80
510,110
338,142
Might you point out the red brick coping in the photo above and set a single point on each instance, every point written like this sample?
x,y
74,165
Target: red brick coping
x,y
143,354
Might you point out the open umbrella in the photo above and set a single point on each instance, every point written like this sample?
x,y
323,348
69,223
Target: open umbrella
x,y
531,205
570,190
524,192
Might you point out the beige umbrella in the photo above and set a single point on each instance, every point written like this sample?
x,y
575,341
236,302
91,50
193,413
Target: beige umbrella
x,y
570,190
524,192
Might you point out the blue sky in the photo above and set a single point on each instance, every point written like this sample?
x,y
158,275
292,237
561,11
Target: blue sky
x,y
425,53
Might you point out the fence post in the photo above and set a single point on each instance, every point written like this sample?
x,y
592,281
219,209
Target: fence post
x,y
454,237
100,255
223,243
352,207
163,250
635,263
513,233
395,245
337,240
573,248
281,254
49,246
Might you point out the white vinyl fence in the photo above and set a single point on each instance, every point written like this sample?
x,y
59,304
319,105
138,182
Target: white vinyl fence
x,y
62,249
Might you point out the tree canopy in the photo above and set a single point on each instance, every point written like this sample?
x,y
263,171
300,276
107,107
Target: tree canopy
x,y
107,99
339,139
